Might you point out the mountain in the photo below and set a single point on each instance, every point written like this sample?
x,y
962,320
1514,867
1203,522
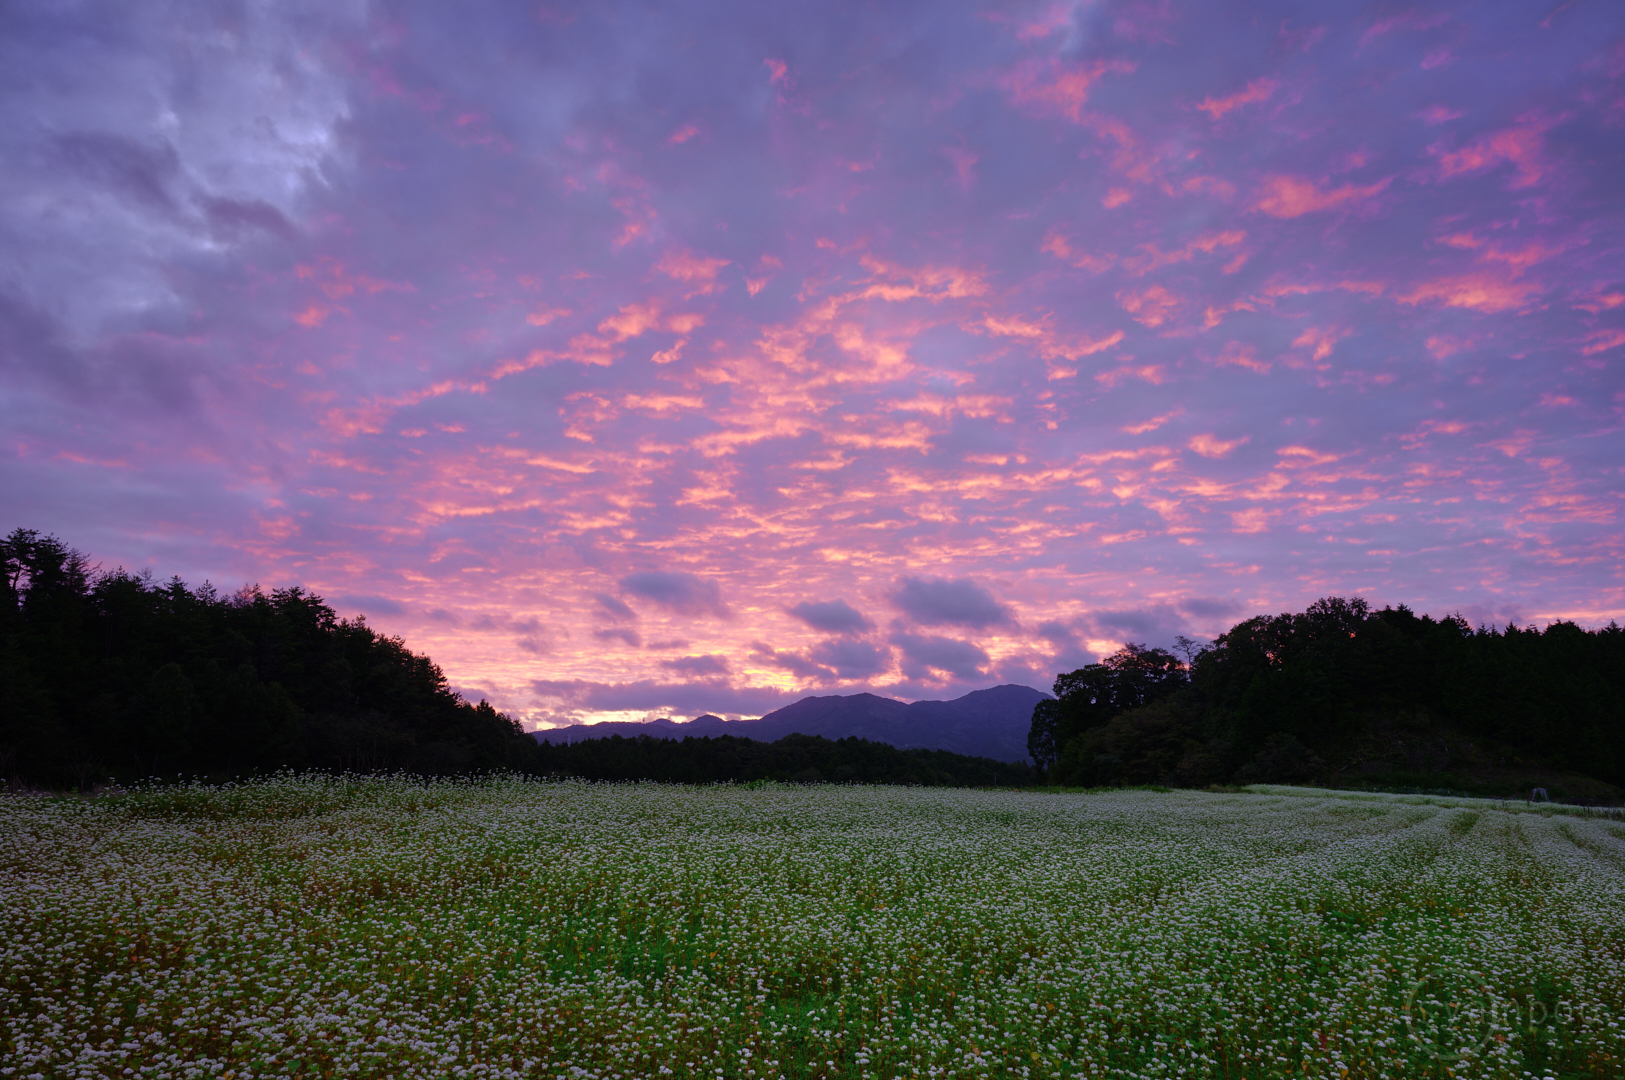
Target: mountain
x,y
988,723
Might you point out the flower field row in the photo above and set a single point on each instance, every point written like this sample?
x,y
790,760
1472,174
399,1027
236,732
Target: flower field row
x,y
392,928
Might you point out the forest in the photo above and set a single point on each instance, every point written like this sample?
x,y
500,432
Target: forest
x,y
108,674
1343,695
112,675
793,759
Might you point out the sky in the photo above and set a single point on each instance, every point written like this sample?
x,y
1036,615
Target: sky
x,y
646,360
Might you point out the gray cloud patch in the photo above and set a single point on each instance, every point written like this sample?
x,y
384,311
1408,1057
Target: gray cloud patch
x,y
707,665
619,633
138,171
1204,607
1139,622
614,607
949,602
961,659
832,616
369,605
1059,633
232,218
853,659
511,623
794,663
682,593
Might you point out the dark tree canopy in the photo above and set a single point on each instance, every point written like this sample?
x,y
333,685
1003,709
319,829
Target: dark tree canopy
x,y
1283,697
1087,698
794,758
115,674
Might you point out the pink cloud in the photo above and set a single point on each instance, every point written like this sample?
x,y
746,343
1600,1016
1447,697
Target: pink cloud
x,y
1438,114
1521,146
1154,423
1057,244
1151,373
544,314
1320,341
1294,196
1485,292
1151,306
1213,447
686,266
1602,340
1242,355
1599,301
1442,346
1256,91
1410,19
1152,258
1051,87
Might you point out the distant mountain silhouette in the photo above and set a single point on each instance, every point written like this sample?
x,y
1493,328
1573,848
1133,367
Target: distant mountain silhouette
x,y
989,723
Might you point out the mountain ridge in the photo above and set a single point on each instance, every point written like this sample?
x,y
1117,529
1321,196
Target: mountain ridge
x,y
991,723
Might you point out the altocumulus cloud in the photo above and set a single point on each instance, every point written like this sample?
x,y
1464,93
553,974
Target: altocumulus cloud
x,y
949,602
685,594
1210,354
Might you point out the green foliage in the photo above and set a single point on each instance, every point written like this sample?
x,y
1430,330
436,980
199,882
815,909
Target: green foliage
x,y
792,759
114,674
1289,698
1129,678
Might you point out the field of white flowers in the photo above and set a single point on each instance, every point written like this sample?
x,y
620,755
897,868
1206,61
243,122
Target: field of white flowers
x,y
390,928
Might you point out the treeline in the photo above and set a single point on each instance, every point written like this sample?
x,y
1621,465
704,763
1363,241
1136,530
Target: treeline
x,y
793,759
112,674
1332,693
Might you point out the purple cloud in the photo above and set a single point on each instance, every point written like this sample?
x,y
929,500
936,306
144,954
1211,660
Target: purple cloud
x,y
832,616
697,666
925,653
685,594
1205,607
853,659
793,662
614,608
944,602
363,604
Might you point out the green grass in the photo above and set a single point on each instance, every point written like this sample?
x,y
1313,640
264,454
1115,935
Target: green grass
x,y
387,928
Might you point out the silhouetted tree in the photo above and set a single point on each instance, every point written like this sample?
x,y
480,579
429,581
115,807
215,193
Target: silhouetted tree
x,y
115,673
792,759
1275,696
1041,746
